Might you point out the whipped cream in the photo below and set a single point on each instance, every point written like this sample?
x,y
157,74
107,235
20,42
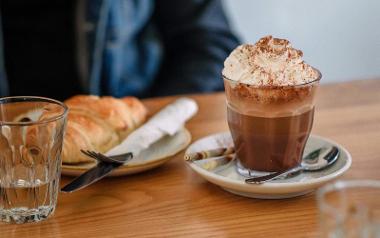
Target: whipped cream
x,y
271,61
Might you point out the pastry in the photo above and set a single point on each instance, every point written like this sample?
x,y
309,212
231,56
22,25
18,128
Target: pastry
x,y
99,123
93,123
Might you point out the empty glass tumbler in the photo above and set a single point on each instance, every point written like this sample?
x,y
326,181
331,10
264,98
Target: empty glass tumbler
x,y
350,209
31,138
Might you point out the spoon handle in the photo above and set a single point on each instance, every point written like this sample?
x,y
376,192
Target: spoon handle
x,y
269,177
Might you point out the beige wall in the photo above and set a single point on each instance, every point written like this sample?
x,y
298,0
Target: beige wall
x,y
340,37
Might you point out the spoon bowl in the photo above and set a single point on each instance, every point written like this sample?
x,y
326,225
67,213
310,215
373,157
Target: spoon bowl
x,y
315,161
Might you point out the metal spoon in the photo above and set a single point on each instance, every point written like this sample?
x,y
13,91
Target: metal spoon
x,y
316,160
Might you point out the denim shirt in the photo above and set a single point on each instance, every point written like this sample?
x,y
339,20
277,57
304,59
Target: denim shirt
x,y
119,47
121,51
115,44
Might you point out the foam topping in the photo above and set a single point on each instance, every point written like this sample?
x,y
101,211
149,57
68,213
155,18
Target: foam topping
x,y
271,61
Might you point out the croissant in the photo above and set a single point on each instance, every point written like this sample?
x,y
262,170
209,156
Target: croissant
x,y
93,123
99,123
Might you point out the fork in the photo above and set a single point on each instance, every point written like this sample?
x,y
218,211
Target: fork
x,y
119,159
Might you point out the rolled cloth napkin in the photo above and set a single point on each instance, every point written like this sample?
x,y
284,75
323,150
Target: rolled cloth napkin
x,y
168,121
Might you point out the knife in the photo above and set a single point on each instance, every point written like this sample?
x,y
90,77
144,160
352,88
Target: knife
x,y
168,121
92,175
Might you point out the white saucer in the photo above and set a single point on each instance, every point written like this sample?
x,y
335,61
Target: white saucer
x,y
231,181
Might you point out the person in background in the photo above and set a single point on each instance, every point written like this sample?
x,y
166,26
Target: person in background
x,y
145,48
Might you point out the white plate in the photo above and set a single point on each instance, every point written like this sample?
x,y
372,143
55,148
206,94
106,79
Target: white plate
x,y
301,184
156,155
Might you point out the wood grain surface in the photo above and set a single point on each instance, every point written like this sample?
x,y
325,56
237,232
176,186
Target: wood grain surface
x,y
172,201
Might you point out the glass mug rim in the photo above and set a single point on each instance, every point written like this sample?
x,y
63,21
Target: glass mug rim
x,y
13,99
277,87
342,185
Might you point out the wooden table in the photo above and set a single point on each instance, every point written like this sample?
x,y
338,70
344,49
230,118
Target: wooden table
x,y
172,201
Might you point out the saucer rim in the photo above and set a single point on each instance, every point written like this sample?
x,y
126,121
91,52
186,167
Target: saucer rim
x,y
289,185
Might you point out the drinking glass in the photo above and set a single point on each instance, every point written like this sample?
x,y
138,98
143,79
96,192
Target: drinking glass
x,y
269,125
31,137
350,209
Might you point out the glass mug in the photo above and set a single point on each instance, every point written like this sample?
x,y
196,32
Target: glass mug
x,y
269,125
31,138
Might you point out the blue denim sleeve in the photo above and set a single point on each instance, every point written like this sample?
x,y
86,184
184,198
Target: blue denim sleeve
x,y
197,38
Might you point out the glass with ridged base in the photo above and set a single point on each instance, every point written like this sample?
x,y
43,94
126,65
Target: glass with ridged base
x,y
31,138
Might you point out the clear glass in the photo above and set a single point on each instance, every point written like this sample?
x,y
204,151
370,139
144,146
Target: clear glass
x,y
31,137
269,124
350,209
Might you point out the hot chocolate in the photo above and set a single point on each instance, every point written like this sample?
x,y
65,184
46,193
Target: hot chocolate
x,y
269,144
270,103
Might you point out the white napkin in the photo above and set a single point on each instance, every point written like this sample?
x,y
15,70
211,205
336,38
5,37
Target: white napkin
x,y
166,122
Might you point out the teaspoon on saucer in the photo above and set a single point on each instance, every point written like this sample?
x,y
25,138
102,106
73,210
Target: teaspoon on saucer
x,y
315,161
